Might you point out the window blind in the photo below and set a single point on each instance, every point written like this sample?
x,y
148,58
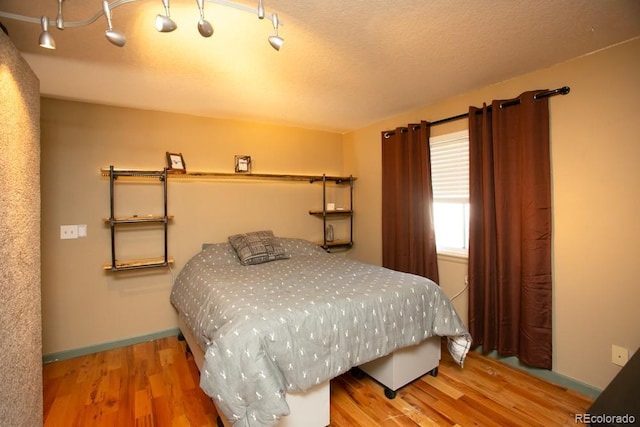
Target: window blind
x,y
450,167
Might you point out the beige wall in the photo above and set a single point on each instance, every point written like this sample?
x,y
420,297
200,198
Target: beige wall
x,y
21,338
84,305
595,152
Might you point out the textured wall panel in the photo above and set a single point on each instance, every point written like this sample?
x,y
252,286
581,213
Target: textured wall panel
x,y
20,315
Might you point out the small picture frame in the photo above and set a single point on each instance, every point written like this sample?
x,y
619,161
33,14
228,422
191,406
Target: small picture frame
x,y
175,163
243,164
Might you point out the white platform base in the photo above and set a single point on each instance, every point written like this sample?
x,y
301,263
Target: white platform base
x,y
308,409
405,365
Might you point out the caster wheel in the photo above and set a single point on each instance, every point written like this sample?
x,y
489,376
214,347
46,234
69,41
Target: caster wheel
x,y
390,394
357,373
434,372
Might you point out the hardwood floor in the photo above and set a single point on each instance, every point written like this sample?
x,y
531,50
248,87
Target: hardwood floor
x,y
155,384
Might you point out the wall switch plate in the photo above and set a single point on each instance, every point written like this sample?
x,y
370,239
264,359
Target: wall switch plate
x,y
619,355
68,231
82,230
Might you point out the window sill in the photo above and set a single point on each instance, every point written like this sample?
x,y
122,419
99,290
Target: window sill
x,y
456,256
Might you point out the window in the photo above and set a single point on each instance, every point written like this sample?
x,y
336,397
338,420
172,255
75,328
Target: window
x,y
450,177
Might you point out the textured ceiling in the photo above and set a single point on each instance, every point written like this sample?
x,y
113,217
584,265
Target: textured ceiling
x,y
344,64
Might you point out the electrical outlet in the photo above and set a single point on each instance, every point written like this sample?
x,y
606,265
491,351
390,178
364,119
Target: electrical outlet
x,y
68,231
619,355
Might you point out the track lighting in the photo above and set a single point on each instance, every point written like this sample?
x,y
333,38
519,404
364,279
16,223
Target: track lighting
x,y
164,23
260,10
275,41
112,35
46,40
204,27
59,19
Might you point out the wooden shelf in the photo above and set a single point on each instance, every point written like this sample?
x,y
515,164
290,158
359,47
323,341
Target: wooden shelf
x,y
226,175
332,212
139,263
137,218
139,173
335,244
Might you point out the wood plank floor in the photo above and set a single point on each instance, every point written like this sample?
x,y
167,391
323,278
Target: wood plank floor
x,y
155,384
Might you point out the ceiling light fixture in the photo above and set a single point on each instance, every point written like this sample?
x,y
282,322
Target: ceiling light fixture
x,y
115,37
59,19
275,41
46,40
204,27
260,10
162,23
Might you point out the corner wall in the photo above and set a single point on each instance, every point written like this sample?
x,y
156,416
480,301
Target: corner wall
x,y
21,339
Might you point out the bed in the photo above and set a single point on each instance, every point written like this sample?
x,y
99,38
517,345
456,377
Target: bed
x,y
271,320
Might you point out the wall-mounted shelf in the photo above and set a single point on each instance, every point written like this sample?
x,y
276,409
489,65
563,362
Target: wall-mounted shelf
x,y
139,263
227,176
335,212
326,215
137,219
223,176
115,222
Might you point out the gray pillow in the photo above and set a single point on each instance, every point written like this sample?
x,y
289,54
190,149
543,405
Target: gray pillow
x,y
257,247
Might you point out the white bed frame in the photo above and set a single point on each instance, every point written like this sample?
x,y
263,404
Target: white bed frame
x,y
311,408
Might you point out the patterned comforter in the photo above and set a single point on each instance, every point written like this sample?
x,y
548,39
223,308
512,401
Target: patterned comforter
x,y
290,324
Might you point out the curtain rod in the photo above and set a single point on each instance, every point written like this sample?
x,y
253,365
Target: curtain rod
x,y
560,91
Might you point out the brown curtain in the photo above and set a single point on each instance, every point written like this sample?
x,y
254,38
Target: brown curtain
x,y
408,236
510,230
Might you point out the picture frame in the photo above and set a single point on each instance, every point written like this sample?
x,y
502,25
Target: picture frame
x,y
243,164
175,163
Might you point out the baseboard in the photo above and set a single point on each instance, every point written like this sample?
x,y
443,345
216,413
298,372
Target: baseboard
x,y
69,354
547,375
